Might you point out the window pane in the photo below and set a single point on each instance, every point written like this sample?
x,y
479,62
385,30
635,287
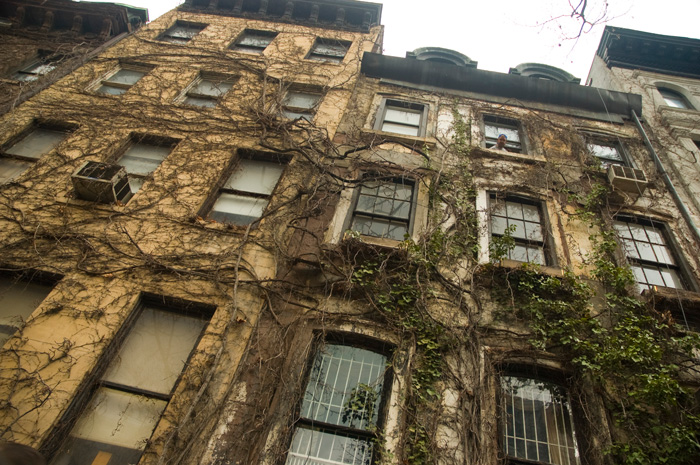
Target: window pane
x,y
237,209
18,299
607,152
542,427
255,40
330,49
401,116
338,394
143,159
211,88
126,76
155,351
37,143
255,176
317,447
200,102
10,168
301,100
109,90
400,129
183,32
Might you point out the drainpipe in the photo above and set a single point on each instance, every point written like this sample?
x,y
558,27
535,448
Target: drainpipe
x,y
669,185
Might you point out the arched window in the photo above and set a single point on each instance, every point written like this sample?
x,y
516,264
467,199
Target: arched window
x,y
674,99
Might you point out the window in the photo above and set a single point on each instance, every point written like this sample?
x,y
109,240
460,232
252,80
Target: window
x,y
253,41
402,118
495,126
205,92
182,32
297,104
142,158
607,153
522,220
384,209
674,99
19,156
649,253
538,424
246,193
328,50
120,81
38,67
18,299
133,392
340,408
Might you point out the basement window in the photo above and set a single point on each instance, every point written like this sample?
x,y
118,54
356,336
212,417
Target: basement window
x,y
253,41
130,396
521,219
494,126
329,50
120,81
19,156
206,91
384,209
246,193
300,104
400,117
142,157
649,252
182,32
340,411
538,424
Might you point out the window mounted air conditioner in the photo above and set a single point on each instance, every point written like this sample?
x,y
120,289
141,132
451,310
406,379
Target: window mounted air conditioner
x,y
101,182
627,179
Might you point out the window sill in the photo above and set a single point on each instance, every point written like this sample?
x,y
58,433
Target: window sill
x,y
522,157
12,82
544,269
213,225
413,141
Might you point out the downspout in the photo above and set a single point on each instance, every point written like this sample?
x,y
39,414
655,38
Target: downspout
x,y
667,180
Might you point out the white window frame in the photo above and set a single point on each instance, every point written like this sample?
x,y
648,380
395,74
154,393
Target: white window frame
x,y
234,189
389,104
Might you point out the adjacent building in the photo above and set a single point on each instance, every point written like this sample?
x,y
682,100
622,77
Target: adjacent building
x,y
241,234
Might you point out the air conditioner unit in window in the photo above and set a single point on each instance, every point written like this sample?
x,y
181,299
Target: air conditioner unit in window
x,y
627,179
101,182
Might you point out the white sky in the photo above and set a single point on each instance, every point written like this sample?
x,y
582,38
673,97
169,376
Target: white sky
x,y
501,34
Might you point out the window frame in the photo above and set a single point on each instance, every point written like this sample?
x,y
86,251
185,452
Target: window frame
x,y
168,37
236,46
234,165
106,83
301,112
207,77
314,55
26,160
668,93
42,58
357,341
369,177
547,244
680,268
607,141
507,123
544,376
389,103
94,382
21,278
145,140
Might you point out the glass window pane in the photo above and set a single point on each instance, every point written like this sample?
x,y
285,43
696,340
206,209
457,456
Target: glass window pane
x,y
403,116
400,129
519,232
110,90
143,159
330,49
316,447
531,213
200,102
119,418
514,210
301,100
10,168
255,176
126,76
155,350
211,88
237,209
607,152
37,143
18,299
256,39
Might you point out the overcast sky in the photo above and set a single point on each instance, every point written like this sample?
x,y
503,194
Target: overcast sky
x,y
501,34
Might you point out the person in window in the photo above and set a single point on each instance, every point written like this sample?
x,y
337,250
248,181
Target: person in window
x,y
501,143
